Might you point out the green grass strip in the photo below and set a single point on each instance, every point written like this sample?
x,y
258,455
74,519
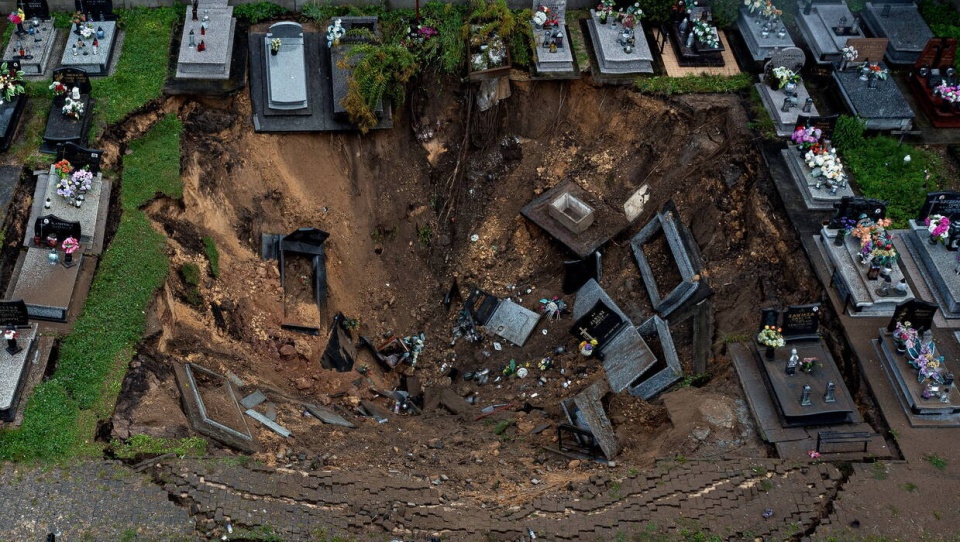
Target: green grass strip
x,y
142,68
56,424
663,85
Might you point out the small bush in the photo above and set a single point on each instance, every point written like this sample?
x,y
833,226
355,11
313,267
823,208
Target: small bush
x,y
213,256
848,133
726,12
190,273
258,11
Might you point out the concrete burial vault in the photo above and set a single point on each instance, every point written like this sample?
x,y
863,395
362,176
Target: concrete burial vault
x,y
686,254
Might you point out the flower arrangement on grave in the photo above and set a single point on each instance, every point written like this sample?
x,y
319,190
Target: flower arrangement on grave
x,y
629,22
770,11
604,10
905,336
948,93
771,337
939,228
86,31
540,16
419,34
275,44
784,76
876,244
849,53
806,136
753,6
488,30
74,184
553,308
72,108
17,17
633,10
587,347
878,72
58,88
826,164
807,364
924,358
705,34
63,169
70,245
11,83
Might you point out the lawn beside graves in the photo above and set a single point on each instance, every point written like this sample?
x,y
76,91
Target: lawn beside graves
x,y
61,416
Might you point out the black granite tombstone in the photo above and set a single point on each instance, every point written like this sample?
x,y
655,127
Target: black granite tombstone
x,y
98,10
54,225
73,77
916,311
945,203
80,157
14,313
953,237
825,124
601,323
855,207
576,273
38,9
340,352
481,305
801,322
10,112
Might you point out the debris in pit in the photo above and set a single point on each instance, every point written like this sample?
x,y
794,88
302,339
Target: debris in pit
x,y
373,411
273,426
503,317
340,352
328,416
576,273
586,413
253,399
553,308
433,398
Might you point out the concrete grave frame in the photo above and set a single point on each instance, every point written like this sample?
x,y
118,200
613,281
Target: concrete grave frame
x,y
686,255
239,438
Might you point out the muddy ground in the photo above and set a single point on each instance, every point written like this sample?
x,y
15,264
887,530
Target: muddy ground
x,y
401,206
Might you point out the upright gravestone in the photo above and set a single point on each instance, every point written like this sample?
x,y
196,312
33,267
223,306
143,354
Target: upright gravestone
x,y
69,117
785,104
13,313
919,313
35,9
801,322
96,10
853,208
826,124
599,323
48,228
80,157
769,318
938,258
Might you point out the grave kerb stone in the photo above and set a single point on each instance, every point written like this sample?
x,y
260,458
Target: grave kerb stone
x,y
610,55
690,276
213,62
286,70
652,385
95,64
938,268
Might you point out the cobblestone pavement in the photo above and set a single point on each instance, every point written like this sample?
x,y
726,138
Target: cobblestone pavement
x,y
727,498
87,501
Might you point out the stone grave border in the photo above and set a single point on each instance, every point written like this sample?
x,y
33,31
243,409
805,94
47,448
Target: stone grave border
x,y
934,261
197,414
656,383
897,51
815,199
684,254
931,413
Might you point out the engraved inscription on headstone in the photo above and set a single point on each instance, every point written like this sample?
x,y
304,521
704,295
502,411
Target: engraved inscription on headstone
x,y
854,207
600,323
916,311
52,224
73,77
80,157
825,124
801,321
13,312
940,203
36,9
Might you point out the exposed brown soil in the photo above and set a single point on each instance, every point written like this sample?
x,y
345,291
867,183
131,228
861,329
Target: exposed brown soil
x,y
400,213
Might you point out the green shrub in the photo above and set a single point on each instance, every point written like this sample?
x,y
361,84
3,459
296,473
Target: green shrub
x,y
848,133
258,11
381,72
522,42
213,256
447,49
726,12
693,84
656,11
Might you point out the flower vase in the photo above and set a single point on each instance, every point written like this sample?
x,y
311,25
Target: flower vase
x,y
933,239
68,257
872,82
874,272
603,19
790,88
770,353
901,345
273,51
20,30
76,30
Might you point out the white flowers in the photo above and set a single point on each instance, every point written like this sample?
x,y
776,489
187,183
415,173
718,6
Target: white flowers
x,y
829,163
706,34
849,53
73,108
753,5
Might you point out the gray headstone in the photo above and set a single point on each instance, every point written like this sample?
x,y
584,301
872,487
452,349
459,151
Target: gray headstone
x,y
789,57
513,322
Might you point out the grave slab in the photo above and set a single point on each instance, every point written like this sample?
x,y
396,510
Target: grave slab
x,y
761,46
904,379
286,72
686,255
814,198
930,71
667,371
938,269
689,51
557,63
787,389
850,276
46,288
901,23
14,371
773,103
95,64
91,215
626,356
607,223
61,129
882,107
201,418
11,111
214,61
513,322
610,56
818,27
585,410
37,47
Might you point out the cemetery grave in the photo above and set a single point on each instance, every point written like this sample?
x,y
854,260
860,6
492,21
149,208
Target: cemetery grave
x,y
554,51
20,350
900,22
206,44
825,26
14,102
869,94
92,38
32,41
619,52
71,111
817,171
763,31
934,240
786,101
933,83
694,40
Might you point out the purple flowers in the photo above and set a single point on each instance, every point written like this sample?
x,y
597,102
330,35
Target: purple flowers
x,y
806,136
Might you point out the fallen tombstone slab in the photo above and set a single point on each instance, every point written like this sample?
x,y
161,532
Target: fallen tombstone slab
x,y
253,399
225,423
340,352
273,426
505,318
374,411
585,411
576,273
434,398
328,416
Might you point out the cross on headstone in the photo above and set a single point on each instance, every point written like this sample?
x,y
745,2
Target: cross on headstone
x,y
73,77
80,157
946,203
600,323
38,9
48,225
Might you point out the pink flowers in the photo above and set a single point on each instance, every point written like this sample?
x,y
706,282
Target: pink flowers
x,y
806,136
813,454
938,226
16,17
70,245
